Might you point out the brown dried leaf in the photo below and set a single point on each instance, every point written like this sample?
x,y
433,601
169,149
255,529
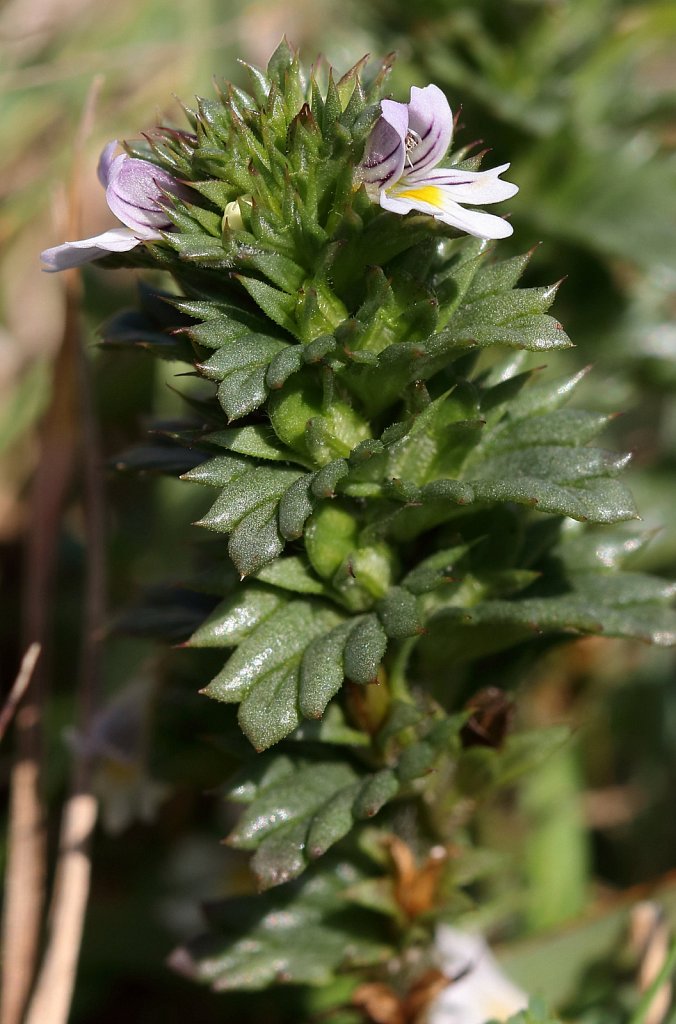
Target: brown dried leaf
x,y
415,888
492,713
380,1002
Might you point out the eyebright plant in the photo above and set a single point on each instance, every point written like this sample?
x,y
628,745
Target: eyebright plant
x,y
401,498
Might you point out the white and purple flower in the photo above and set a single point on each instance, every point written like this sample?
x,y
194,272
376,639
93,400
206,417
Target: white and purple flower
x,y
399,168
479,990
136,192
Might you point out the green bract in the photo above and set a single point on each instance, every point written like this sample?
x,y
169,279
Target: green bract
x,y
398,505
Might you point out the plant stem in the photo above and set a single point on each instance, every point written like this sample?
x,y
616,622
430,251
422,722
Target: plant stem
x,y
397,678
27,850
53,993
26,859
54,989
25,819
21,684
643,1008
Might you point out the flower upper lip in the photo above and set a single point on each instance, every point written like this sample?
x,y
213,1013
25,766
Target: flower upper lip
x,y
136,191
399,169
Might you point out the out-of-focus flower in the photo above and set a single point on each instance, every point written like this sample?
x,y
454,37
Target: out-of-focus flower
x,y
136,192
479,991
117,743
399,168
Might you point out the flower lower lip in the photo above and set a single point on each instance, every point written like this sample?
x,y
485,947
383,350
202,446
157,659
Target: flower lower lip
x,y
424,194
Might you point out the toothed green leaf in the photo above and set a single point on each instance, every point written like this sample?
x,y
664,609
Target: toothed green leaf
x,y
299,808
293,573
608,604
236,617
300,935
256,442
263,674
276,304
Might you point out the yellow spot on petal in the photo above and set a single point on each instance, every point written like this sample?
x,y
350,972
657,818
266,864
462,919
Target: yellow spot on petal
x,y
430,194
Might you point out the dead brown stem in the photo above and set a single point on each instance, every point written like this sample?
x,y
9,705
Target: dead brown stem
x,y
21,683
27,854
53,993
26,861
24,885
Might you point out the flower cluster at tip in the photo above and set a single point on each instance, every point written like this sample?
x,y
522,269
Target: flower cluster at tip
x,y
399,168
137,193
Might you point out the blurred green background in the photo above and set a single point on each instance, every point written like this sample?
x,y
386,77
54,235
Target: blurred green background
x,y
580,95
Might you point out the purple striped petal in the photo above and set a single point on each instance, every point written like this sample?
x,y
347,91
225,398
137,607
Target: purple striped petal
x,y
105,160
136,194
430,123
396,114
385,153
474,187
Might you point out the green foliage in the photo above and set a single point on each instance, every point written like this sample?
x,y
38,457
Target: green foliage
x,y
399,490
571,101
300,806
303,935
537,1012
